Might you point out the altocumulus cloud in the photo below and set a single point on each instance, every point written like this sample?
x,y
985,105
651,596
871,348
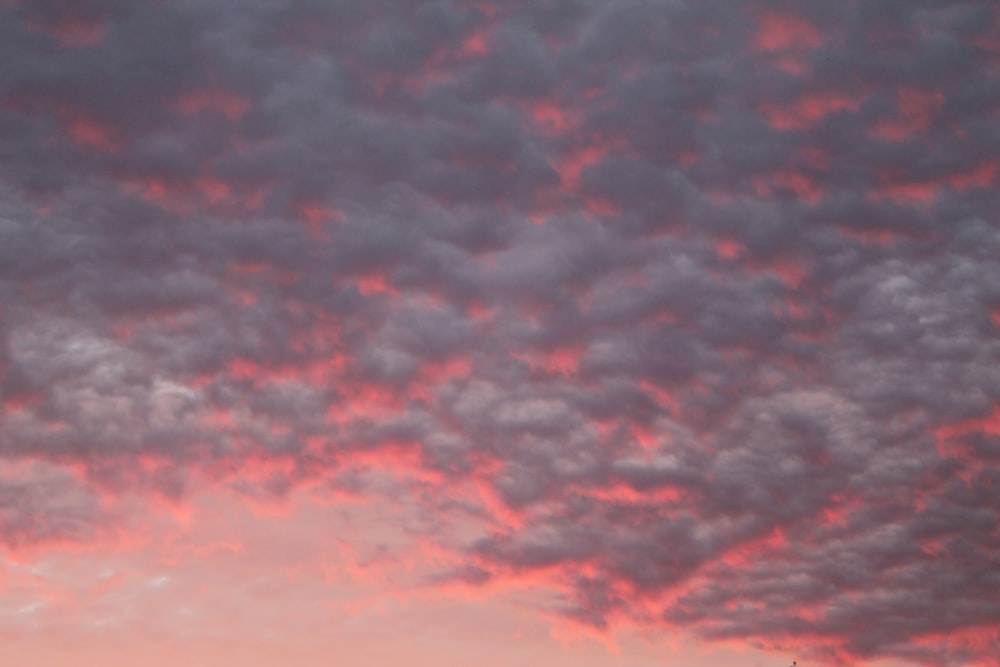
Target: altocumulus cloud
x,y
691,309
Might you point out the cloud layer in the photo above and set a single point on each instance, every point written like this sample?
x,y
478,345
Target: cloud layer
x,y
687,311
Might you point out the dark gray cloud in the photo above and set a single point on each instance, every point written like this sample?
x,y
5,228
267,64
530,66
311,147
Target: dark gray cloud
x,y
703,296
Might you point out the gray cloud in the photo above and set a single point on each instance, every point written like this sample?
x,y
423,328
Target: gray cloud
x,y
704,294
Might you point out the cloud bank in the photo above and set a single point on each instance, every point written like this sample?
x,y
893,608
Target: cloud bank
x,y
687,311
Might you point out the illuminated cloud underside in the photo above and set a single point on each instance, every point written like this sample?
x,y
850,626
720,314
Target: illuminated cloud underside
x,y
674,315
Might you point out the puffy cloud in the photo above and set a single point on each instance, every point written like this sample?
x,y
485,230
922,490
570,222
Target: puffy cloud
x,y
688,310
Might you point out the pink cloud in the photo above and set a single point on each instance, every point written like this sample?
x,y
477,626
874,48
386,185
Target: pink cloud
x,y
809,109
498,334
781,31
76,32
915,111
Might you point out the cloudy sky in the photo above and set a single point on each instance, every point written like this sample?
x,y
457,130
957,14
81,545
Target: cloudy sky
x,y
649,333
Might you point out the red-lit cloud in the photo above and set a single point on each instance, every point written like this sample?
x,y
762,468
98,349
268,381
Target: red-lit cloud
x,y
672,316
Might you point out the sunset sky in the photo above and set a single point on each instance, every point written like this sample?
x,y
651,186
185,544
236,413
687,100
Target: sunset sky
x,y
500,333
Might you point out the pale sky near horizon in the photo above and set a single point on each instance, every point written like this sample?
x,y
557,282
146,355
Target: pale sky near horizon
x,y
651,333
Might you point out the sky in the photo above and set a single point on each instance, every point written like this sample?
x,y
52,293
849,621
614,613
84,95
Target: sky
x,y
649,333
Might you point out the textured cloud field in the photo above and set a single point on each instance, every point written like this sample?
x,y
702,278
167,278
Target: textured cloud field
x,y
664,314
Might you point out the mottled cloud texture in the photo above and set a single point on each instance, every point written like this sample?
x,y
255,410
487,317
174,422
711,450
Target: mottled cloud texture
x,y
685,312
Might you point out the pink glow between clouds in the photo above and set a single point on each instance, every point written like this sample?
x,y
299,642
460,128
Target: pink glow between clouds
x,y
499,333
